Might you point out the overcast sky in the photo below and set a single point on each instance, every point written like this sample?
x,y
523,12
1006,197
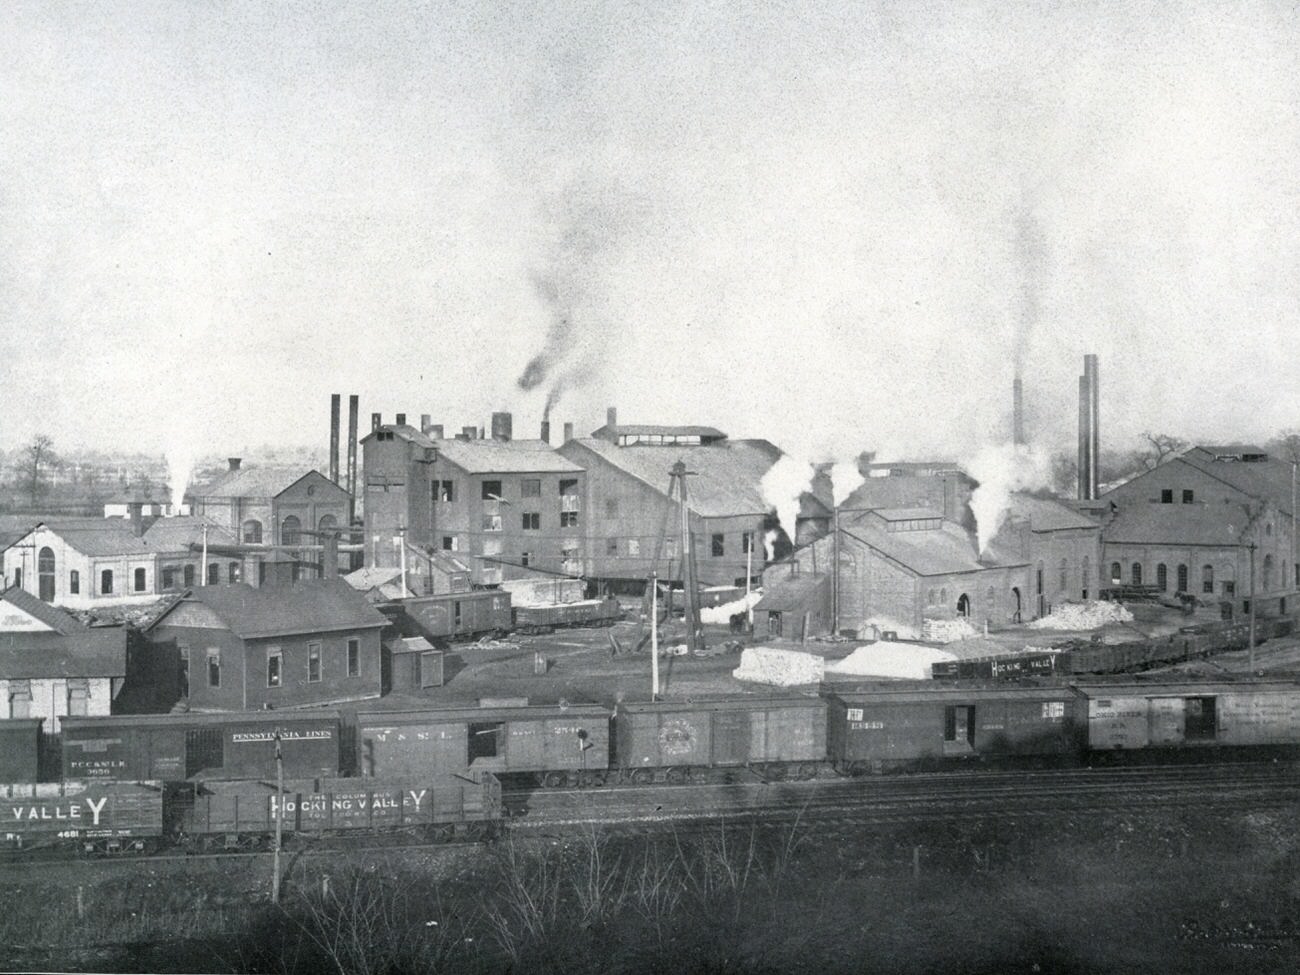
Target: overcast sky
x,y
837,226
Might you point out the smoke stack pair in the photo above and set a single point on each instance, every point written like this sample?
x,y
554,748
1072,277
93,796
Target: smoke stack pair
x,y
1089,430
336,404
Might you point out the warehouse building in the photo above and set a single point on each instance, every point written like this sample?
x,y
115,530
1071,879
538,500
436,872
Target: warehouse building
x,y
1061,546
271,505
632,516
83,563
1204,523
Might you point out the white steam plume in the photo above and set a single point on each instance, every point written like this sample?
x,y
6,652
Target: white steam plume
x,y
181,448
845,479
782,486
1000,470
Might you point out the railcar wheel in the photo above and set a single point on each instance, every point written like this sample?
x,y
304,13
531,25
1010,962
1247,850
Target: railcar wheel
x,y
774,772
675,776
642,776
591,780
554,780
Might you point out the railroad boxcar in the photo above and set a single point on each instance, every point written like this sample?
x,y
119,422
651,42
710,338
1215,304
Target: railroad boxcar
x,y
553,744
178,747
881,728
106,818
674,740
1128,717
236,815
457,615
586,612
20,749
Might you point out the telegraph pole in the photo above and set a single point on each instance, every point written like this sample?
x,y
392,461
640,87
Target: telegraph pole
x,y
1252,608
835,568
749,574
203,572
279,820
690,585
654,636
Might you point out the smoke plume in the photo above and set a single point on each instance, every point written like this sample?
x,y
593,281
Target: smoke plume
x,y
1001,470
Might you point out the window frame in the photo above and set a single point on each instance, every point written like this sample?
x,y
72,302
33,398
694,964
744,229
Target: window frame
x,y
486,494
530,487
106,582
274,667
314,658
718,545
531,521
214,667
74,582
354,656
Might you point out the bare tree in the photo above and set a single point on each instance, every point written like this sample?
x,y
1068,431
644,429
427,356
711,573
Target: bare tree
x,y
1161,447
37,455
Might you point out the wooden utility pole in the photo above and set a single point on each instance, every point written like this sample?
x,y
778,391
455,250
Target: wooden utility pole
x,y
690,582
654,636
279,820
1252,607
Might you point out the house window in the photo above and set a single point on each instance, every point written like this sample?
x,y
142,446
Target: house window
x,y
525,558
1064,580
289,531
1229,587
354,657
449,543
74,582
1188,496
611,507
455,615
491,523
446,491
168,577
570,562
78,696
1182,578
252,532
274,659
569,502
106,582
1167,496
184,653
139,580
189,575
634,546
1137,573
214,574
530,487
313,663
718,546
611,546
214,668
1115,576
1162,577
232,572
491,490
532,521
568,519
45,574
1207,578
20,699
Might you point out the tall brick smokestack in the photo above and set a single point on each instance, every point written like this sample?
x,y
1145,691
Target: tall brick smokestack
x,y
1089,430
1017,413
335,406
354,407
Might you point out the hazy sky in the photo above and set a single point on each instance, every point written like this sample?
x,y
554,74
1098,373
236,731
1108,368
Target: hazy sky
x,y
837,226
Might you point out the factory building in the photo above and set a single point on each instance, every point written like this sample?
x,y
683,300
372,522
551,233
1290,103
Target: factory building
x,y
1061,547
180,544
271,506
83,563
509,509
632,516
1200,522
938,485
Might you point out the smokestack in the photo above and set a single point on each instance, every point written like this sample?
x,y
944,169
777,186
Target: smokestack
x,y
546,431
568,432
233,462
354,406
611,417
502,426
136,510
1017,413
1090,375
376,421
1085,479
468,433
335,405
401,419
425,418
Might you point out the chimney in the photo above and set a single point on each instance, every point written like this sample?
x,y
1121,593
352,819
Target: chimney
x,y
468,433
502,426
1017,413
336,402
136,510
1084,478
611,417
568,432
353,407
425,418
435,431
401,419
376,421
546,431
233,462
1090,375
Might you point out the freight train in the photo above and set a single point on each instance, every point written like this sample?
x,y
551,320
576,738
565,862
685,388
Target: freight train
x,y
207,781
470,615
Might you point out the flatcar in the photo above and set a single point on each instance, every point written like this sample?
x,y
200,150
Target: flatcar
x,y
586,612
107,818
548,744
242,815
456,616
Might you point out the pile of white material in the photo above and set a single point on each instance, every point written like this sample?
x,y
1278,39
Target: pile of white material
x,y
544,592
886,659
946,631
1083,616
723,613
782,668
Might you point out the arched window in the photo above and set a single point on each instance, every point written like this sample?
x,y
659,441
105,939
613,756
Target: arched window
x,y
1207,578
943,595
1137,573
188,572
232,573
45,574
1064,581
289,531
1115,573
327,522
1182,578
990,601
1268,572
1162,577
252,532
963,605
214,573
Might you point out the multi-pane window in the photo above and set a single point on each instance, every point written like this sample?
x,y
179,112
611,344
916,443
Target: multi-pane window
x,y
189,576
214,668
1182,578
78,696
532,521
20,699
106,582
568,519
1064,581
491,523
313,662
718,546
1207,578
449,543
289,531
252,532
274,661
530,487
491,490
569,503
214,573
634,546
169,577
1187,496
354,657
74,582
232,572
1162,577
1229,587
525,558
1137,573
1167,496
446,491
746,543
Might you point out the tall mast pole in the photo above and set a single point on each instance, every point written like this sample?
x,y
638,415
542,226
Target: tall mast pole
x,y
690,585
654,636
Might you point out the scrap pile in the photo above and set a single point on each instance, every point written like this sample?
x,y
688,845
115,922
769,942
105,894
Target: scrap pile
x,y
781,668
1082,616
